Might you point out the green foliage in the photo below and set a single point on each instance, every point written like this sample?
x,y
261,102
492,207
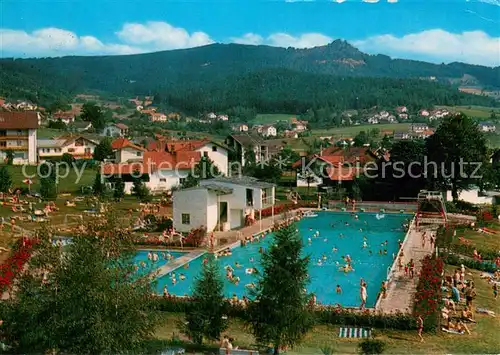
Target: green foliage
x,y
67,158
139,189
5,179
83,301
93,113
205,317
361,139
119,190
280,315
103,150
455,141
9,157
98,188
371,346
457,260
204,169
48,187
57,124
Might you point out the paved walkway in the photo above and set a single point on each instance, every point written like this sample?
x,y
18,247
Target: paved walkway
x,y
401,290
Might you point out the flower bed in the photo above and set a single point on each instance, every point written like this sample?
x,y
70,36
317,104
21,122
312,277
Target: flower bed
x,y
428,296
15,263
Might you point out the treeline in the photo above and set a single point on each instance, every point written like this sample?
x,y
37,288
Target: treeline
x,y
285,91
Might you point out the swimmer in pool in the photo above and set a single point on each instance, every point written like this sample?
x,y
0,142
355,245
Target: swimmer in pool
x,y
237,265
370,252
251,260
334,249
365,245
325,240
385,251
338,290
309,240
319,262
324,256
150,255
341,235
182,277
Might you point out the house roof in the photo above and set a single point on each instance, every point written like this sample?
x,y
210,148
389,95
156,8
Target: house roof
x,y
241,180
121,143
170,161
219,190
69,138
338,155
163,145
50,143
80,124
336,173
19,120
125,168
246,139
121,126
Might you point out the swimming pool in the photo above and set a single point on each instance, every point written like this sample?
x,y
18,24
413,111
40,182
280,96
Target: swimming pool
x,y
336,230
150,266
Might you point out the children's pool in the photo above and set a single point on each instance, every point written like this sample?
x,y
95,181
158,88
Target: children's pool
x,y
336,230
141,257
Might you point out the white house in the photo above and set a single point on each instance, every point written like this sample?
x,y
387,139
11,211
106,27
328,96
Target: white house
x,y
424,113
475,196
487,127
211,116
373,119
115,130
269,131
157,117
78,146
221,203
419,127
241,143
222,118
18,134
241,128
126,151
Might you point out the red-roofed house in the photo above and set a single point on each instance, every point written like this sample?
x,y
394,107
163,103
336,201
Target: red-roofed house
x,y
126,151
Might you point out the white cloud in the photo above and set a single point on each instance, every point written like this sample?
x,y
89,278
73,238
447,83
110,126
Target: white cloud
x,y
475,47
306,40
133,38
161,36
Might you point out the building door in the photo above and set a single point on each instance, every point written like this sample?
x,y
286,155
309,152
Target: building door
x,y
222,214
236,218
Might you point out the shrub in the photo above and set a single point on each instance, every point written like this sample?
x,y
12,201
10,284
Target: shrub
x,y
371,346
456,260
464,249
428,296
15,263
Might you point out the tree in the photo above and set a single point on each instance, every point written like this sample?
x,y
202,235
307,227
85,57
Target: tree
x,y
5,179
48,188
98,188
119,190
9,155
67,158
139,189
103,150
93,113
205,318
279,314
204,169
361,139
386,142
458,148
86,300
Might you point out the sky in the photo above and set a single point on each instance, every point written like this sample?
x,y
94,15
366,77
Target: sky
x,y
431,30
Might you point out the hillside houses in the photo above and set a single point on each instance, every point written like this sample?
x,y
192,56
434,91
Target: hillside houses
x,y
115,130
78,146
18,134
487,127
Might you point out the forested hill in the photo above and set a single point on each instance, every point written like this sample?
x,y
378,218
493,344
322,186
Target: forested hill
x,y
166,71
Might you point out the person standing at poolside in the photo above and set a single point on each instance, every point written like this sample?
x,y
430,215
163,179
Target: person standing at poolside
x,y
420,328
411,266
363,294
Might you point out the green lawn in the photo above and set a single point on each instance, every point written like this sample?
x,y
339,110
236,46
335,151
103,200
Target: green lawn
x,y
264,118
474,111
484,337
67,184
351,131
482,240
493,140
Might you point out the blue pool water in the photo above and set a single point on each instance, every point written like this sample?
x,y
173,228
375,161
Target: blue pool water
x,y
142,255
325,277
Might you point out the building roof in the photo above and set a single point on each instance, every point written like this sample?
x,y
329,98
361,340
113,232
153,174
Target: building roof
x,y
125,168
50,143
121,126
121,143
171,161
219,190
19,120
242,180
484,123
69,138
336,173
247,139
163,145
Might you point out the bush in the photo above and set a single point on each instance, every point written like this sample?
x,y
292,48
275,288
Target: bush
x,y
470,263
468,250
371,346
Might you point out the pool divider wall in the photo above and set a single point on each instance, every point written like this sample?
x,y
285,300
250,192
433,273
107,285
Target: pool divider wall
x,y
179,262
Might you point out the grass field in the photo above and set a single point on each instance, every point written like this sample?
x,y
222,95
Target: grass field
x,y
493,139
474,111
482,240
265,118
48,133
67,184
484,337
351,131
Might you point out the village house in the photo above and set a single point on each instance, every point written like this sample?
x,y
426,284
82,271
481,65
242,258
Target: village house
x,y
26,106
268,131
487,127
18,134
115,130
221,204
373,119
403,116
424,113
222,118
160,171
290,134
217,153
78,146
241,128
211,116
299,126
79,126
126,151
158,117
402,135
66,117
401,109
242,143
418,127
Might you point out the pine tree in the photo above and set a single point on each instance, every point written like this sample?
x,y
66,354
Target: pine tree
x,y
98,187
119,191
48,188
139,189
205,318
280,315
5,179
103,150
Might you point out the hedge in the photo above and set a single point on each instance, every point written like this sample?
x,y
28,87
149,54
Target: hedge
x,y
486,254
470,263
322,314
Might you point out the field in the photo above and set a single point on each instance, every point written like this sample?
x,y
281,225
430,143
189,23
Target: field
x,y
493,140
352,131
474,111
267,118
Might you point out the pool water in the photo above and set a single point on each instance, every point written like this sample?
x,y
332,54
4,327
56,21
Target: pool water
x,y
142,256
324,276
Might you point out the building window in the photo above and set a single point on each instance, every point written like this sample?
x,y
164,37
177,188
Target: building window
x,y
186,218
3,133
205,154
3,144
163,180
182,180
20,143
249,195
20,132
139,154
71,150
214,148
